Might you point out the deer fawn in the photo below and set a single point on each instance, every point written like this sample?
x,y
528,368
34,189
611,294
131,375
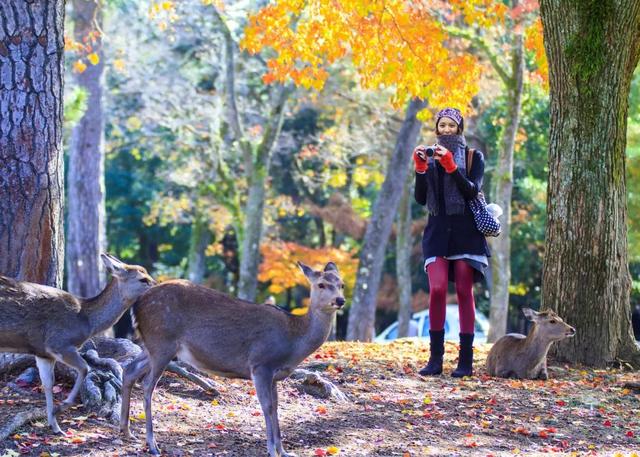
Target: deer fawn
x,y
229,337
525,357
52,324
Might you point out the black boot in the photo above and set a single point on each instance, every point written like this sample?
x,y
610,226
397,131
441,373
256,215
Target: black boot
x,y
465,357
436,345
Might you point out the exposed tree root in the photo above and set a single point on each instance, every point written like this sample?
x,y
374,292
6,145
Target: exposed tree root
x,y
315,385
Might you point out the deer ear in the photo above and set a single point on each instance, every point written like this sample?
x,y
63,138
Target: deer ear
x,y
331,267
530,314
309,272
114,266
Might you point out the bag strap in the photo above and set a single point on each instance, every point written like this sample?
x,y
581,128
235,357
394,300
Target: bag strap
x,y
470,154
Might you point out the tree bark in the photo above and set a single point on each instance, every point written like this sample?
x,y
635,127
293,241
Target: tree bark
x,y
31,168
86,232
363,307
200,239
254,209
404,243
593,49
501,246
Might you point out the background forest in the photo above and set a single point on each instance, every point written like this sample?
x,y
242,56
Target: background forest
x,y
176,185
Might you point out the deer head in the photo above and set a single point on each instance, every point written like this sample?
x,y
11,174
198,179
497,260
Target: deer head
x,y
327,288
549,324
132,280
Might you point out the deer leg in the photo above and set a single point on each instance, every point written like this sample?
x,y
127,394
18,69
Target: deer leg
x,y
149,382
133,371
74,360
263,381
276,423
45,369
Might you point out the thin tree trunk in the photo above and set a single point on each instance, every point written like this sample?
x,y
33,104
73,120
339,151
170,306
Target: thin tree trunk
x,y
254,209
404,243
256,168
31,167
363,308
501,246
86,232
200,239
593,49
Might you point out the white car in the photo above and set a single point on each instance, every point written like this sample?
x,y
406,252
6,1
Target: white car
x,y
419,327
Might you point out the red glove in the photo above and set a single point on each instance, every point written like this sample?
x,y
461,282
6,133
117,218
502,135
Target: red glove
x,y
420,159
446,160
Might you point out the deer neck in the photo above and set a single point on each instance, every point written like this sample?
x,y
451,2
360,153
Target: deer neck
x,y
537,345
105,309
314,330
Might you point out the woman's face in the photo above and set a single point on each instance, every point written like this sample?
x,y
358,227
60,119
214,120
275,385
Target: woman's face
x,y
446,126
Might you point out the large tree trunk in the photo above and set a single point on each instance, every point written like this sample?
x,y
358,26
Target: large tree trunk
x,y
404,243
593,49
363,308
501,246
31,168
86,233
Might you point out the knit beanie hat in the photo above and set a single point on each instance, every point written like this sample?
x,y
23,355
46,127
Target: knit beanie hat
x,y
451,113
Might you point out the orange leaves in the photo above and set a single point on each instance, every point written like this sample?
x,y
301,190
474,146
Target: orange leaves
x,y
534,43
392,44
280,269
331,450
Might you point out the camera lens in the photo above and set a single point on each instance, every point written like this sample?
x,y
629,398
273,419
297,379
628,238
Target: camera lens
x,y
430,151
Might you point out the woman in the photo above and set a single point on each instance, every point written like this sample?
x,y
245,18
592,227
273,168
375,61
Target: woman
x,y
454,250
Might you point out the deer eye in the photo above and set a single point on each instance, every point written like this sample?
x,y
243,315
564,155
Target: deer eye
x,y
145,280
321,286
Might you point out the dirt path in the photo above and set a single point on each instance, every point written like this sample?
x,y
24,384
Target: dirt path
x,y
393,412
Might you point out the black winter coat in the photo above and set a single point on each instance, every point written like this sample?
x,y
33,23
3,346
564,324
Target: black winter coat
x,y
448,235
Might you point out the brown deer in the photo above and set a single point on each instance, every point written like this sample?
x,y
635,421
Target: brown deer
x,y
228,337
52,324
525,357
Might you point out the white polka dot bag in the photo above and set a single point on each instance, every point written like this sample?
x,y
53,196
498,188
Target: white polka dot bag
x,y
485,216
486,219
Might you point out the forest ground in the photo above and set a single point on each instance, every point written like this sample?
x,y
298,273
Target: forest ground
x,y
392,412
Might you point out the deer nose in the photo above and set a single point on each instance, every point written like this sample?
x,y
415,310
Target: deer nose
x,y
571,331
340,302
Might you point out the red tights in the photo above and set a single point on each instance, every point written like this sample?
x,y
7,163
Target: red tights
x,y
438,273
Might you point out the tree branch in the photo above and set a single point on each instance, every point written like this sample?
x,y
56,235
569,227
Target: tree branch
x,y
484,46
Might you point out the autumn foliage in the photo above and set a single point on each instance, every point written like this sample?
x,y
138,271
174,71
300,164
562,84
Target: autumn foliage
x,y
394,43
279,265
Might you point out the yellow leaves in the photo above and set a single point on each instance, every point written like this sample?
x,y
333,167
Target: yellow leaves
x,y
133,123
279,266
93,58
391,45
119,65
300,311
79,66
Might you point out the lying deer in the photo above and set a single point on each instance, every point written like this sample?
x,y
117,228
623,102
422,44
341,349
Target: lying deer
x,y
52,324
525,357
228,337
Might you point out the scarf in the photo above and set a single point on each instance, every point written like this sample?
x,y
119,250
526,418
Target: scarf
x,y
454,202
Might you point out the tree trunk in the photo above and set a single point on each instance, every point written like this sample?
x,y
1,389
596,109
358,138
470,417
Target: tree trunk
x,y
31,167
593,49
200,239
254,209
363,308
404,243
86,233
501,246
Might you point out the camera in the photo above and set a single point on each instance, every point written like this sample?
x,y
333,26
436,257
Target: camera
x,y
430,150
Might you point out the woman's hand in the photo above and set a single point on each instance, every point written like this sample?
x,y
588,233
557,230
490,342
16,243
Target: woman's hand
x,y
420,159
445,157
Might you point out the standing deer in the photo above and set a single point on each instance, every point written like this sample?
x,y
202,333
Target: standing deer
x,y
52,324
525,357
228,337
